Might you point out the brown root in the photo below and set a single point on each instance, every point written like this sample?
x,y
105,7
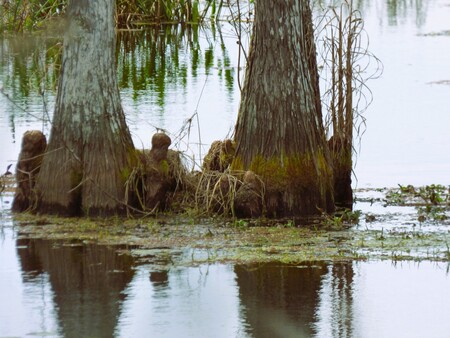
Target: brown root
x,y
249,200
34,144
219,156
341,155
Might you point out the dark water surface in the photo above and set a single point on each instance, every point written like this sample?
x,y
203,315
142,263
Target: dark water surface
x,y
168,80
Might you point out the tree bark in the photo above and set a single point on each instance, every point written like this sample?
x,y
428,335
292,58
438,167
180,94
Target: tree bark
x,y
90,150
279,133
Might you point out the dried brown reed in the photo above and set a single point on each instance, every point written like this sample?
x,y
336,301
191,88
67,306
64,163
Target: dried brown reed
x,y
346,65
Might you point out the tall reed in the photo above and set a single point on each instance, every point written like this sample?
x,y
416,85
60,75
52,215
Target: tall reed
x,y
131,13
346,65
28,15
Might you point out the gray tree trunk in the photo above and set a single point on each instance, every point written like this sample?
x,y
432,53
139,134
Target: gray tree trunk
x,y
90,150
279,133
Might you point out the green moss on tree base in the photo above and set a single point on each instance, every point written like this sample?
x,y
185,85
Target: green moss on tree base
x,y
298,184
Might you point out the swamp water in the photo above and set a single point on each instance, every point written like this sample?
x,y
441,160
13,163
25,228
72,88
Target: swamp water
x,y
71,289
54,289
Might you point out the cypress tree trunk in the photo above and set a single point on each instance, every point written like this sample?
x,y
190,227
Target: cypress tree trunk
x,y
90,150
279,132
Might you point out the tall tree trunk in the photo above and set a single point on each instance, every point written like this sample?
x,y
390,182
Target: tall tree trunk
x,y
90,151
279,132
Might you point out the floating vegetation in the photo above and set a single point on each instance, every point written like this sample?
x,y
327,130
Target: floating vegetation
x,y
441,33
385,226
7,181
441,82
421,196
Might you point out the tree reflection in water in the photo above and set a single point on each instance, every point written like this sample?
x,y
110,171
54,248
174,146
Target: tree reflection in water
x,y
279,301
334,314
287,301
87,282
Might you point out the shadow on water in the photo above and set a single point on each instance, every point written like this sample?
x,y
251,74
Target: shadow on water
x,y
87,281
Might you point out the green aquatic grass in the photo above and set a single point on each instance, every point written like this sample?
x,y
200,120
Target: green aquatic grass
x,y
31,15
